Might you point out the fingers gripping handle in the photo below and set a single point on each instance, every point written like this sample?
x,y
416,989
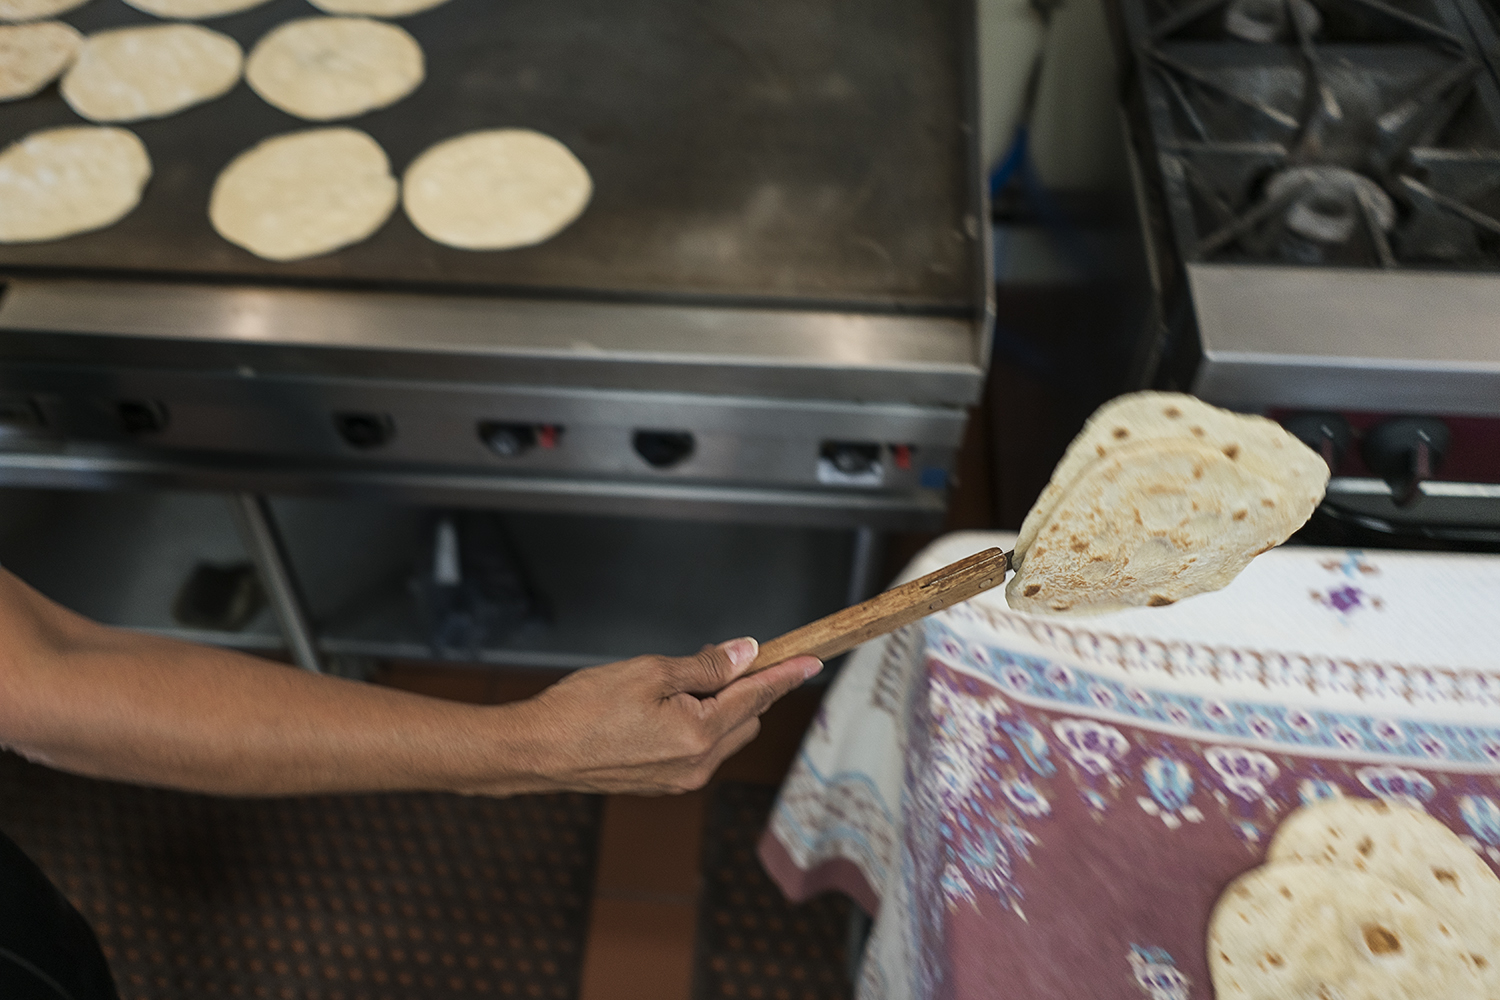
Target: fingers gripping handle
x,y
843,630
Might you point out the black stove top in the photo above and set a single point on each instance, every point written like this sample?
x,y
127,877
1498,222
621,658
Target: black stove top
x,y
796,151
1354,133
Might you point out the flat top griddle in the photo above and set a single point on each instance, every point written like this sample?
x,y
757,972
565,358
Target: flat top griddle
x,y
810,151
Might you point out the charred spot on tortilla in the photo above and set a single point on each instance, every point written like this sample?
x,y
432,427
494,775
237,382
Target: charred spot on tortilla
x,y
1121,434
1033,589
1232,451
1158,601
1381,941
1172,412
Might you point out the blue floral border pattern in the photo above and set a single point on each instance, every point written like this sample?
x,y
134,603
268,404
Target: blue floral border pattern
x,y
1035,678
1271,669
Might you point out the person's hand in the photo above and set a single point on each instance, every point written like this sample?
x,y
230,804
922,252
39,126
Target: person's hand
x,y
655,724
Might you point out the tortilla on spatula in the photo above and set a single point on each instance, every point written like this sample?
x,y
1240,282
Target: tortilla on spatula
x,y
1262,445
1177,502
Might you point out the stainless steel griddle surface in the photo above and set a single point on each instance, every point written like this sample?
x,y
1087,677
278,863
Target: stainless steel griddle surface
x,y
796,150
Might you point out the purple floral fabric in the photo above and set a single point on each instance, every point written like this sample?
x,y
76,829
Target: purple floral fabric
x,y
1055,851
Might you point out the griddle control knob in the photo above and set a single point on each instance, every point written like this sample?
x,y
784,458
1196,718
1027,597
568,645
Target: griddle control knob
x,y
663,449
142,416
1328,434
852,458
1405,452
365,430
508,440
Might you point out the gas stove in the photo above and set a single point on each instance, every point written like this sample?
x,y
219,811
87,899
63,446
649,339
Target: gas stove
x,y
1355,134
1319,186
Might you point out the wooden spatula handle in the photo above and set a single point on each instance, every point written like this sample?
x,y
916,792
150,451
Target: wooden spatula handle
x,y
843,630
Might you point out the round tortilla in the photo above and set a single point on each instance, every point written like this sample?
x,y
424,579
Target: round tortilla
x,y
376,8
36,10
1411,851
304,194
1150,524
33,55
322,68
193,10
63,181
1263,446
130,74
495,190
1312,931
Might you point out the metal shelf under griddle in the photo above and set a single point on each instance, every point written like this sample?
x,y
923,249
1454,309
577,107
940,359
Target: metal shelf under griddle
x,y
616,587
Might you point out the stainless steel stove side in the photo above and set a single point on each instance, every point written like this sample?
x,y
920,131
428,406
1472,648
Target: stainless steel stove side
x,y
739,350
1396,341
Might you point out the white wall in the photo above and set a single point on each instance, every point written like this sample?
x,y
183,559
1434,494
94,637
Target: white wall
x,y
1075,128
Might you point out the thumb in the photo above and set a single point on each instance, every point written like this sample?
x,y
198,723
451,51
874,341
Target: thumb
x,y
712,668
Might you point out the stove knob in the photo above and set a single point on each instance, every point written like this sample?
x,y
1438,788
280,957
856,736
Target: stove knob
x,y
1328,434
1404,452
142,416
365,430
663,449
508,440
851,458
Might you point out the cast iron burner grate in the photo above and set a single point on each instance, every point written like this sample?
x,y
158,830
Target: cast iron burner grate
x,y
1360,133
329,898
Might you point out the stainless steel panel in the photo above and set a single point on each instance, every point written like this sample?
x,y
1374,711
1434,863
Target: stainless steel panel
x,y
819,355
1348,339
106,469
765,441
1443,507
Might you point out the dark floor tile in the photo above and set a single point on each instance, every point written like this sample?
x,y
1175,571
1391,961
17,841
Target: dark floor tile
x,y
752,943
320,898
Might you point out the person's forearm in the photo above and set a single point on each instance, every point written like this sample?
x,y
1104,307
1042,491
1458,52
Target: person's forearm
x,y
115,704
131,707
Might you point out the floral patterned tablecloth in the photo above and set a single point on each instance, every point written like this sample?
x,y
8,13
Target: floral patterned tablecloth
x,y
1049,807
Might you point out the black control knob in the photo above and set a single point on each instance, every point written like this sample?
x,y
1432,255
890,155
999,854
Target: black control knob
x,y
1405,452
851,458
663,449
365,430
508,440
142,416
1328,434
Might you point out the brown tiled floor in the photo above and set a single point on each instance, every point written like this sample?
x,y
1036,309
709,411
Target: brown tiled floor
x,y
645,916
645,899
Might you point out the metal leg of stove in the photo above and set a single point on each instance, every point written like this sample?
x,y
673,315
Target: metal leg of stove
x,y
865,566
258,531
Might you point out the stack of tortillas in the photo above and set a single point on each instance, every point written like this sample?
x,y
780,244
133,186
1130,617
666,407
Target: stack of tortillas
x,y
1360,900
1161,496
